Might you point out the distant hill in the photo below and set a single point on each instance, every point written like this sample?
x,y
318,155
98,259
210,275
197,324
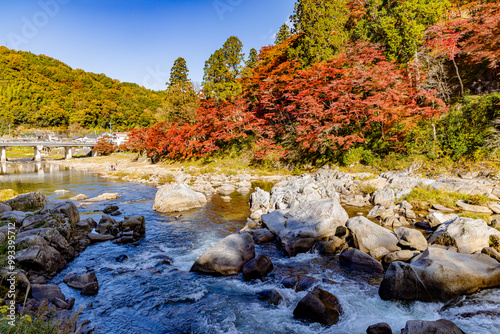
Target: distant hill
x,y
43,92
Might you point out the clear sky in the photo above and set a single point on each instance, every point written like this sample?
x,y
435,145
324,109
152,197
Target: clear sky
x,y
138,40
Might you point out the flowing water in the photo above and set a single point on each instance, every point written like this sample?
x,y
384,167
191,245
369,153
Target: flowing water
x,y
144,295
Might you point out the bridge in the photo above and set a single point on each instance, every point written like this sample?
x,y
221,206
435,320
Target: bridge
x,y
38,146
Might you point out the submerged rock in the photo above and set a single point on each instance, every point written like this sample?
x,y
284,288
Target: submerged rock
x,y
319,306
272,297
227,257
441,326
439,275
177,197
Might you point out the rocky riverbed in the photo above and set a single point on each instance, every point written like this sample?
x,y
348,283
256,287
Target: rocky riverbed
x,y
433,256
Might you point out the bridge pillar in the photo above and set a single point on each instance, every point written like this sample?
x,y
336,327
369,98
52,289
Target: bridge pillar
x,y
3,154
38,155
67,153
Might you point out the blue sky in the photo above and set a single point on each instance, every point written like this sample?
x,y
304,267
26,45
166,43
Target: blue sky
x,y
138,40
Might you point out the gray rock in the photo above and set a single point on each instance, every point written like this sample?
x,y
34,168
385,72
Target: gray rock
x,y
402,255
227,257
442,208
28,202
439,275
226,189
367,235
299,227
110,209
104,197
468,235
79,197
44,259
47,291
437,218
257,268
90,289
411,238
491,252
380,328
79,281
177,197
441,326
4,208
357,260
66,208
94,237
33,222
105,224
384,197
259,200
473,208
319,306
16,216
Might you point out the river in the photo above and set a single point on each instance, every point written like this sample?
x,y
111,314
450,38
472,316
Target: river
x,y
144,295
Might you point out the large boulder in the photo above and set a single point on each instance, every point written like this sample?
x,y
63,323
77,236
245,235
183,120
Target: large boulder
x,y
319,306
259,200
227,257
305,223
466,234
28,202
79,281
441,326
384,197
439,275
411,238
50,292
41,258
4,208
357,260
437,218
368,236
65,208
380,328
177,197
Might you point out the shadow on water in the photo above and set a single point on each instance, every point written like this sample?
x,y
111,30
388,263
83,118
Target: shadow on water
x,y
145,294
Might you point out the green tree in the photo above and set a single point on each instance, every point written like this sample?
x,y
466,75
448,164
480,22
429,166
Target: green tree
x,y
399,25
322,26
252,58
283,34
233,55
178,73
222,69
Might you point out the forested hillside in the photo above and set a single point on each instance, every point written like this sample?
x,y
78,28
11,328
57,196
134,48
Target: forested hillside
x,y
348,82
43,92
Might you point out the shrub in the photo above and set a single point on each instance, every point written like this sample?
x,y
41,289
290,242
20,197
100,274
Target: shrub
x,y
104,146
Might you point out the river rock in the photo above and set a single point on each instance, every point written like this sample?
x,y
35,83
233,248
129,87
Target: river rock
x,y
439,275
380,328
257,268
261,236
495,207
41,258
177,197
402,255
367,235
226,189
105,225
28,202
47,291
94,237
468,235
300,227
227,257
473,208
357,260
16,216
272,297
491,252
259,200
384,197
437,218
90,289
441,326
442,208
131,229
66,208
4,208
411,238
110,209
34,221
319,306
79,197
104,197
79,281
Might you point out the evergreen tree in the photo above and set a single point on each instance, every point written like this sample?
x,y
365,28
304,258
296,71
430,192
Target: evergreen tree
x,y
252,58
322,26
178,73
283,34
233,56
